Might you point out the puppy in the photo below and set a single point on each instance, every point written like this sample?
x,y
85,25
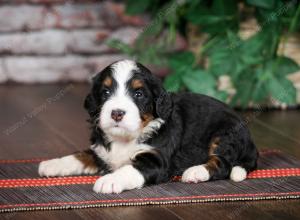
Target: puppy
x,y
141,135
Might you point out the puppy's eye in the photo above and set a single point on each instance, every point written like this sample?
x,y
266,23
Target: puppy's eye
x,y
138,94
106,92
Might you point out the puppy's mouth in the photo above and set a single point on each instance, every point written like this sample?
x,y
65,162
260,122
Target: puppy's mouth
x,y
118,125
120,133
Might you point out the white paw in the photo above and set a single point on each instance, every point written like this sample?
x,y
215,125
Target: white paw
x,y
125,178
195,174
64,166
238,174
50,168
109,183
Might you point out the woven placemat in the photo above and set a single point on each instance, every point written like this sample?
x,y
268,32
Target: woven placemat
x,y
21,189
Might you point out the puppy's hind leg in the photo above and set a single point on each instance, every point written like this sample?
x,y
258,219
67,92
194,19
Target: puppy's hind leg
x,y
75,164
246,163
216,167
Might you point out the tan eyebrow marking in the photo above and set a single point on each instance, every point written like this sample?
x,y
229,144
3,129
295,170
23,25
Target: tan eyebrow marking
x,y
107,81
136,84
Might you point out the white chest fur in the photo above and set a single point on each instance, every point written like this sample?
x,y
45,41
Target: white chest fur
x,y
120,153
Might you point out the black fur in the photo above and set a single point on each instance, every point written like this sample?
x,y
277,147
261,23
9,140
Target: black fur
x,y
192,122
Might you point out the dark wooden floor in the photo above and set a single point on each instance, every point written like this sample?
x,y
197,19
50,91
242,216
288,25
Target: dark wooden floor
x,y
49,121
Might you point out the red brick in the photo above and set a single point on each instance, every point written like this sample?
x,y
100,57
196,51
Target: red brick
x,y
31,69
55,42
45,42
78,15
23,18
114,16
30,17
3,76
45,1
68,16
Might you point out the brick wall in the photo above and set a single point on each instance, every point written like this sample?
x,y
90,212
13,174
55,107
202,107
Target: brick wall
x,y
58,40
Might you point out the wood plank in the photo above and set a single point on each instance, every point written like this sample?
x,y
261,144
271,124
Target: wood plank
x,y
279,130
24,136
280,209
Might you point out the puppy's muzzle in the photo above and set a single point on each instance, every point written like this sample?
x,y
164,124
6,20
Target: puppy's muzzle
x,y
117,115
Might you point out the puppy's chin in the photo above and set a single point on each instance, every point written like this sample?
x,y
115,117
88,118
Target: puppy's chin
x,y
121,134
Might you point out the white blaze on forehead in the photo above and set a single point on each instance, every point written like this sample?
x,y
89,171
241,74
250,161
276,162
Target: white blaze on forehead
x,y
130,124
122,72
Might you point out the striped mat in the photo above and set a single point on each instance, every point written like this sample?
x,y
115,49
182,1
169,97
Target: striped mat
x,y
21,189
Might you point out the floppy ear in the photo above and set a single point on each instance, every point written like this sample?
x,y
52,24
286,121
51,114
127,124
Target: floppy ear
x,y
97,136
162,99
163,103
90,105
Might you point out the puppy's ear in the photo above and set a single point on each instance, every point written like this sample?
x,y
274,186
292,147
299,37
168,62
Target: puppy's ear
x,y
163,103
90,105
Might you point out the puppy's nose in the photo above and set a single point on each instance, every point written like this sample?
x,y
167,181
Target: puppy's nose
x,y
117,114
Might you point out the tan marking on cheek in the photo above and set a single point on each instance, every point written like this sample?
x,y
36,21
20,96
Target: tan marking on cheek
x,y
107,81
146,118
86,159
136,84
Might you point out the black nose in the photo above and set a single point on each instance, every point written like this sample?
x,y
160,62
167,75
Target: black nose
x,y
117,114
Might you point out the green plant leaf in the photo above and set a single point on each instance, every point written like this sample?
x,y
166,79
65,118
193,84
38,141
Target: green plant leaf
x,y
134,7
173,82
259,92
282,90
221,95
220,57
206,19
226,57
253,47
119,45
269,4
228,7
244,92
181,60
271,12
217,18
200,81
286,66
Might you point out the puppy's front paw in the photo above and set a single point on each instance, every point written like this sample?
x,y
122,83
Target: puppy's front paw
x,y
109,183
125,178
64,166
195,174
50,168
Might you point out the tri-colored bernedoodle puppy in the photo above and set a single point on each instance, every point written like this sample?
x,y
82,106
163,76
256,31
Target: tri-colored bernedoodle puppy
x,y
143,135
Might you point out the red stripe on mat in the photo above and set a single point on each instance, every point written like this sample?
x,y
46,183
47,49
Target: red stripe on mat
x,y
269,173
56,181
257,195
